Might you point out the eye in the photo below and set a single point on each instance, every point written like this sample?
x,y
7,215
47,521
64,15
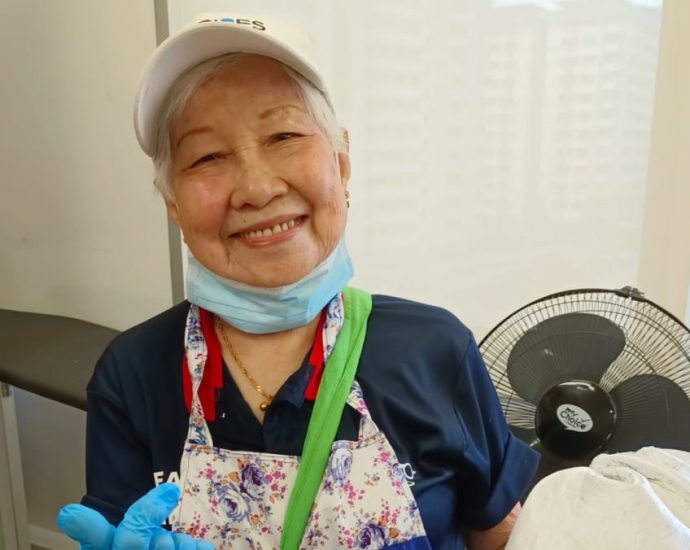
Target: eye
x,y
283,136
207,158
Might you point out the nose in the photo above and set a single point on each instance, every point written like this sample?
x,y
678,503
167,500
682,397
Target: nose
x,y
256,183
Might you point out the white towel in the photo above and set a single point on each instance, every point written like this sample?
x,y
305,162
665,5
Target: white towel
x,y
622,501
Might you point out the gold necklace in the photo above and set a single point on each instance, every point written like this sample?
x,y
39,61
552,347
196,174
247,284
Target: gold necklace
x,y
267,397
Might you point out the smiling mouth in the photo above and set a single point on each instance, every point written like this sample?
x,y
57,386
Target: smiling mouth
x,y
269,231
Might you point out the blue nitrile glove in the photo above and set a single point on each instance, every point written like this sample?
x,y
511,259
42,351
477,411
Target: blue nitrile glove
x,y
140,529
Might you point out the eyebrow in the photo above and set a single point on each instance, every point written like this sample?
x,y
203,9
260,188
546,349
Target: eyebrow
x,y
287,107
262,116
193,132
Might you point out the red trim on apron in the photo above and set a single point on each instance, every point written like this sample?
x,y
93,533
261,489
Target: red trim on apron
x,y
316,361
212,380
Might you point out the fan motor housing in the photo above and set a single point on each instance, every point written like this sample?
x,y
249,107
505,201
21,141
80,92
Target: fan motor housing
x,y
575,419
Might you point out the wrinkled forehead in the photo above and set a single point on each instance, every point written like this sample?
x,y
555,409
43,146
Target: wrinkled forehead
x,y
249,77
244,82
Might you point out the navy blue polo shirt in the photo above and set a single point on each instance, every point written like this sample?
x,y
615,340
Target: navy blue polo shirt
x,y
423,381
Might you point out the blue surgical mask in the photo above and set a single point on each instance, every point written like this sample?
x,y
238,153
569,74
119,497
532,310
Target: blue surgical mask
x,y
260,310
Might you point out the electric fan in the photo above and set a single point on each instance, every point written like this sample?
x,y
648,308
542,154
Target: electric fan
x,y
588,371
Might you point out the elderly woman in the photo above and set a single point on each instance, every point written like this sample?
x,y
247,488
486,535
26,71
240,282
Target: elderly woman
x,y
290,410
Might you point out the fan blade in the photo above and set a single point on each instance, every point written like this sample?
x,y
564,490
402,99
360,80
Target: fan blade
x,y
651,410
571,346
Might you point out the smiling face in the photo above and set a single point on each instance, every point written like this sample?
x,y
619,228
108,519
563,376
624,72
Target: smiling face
x,y
259,192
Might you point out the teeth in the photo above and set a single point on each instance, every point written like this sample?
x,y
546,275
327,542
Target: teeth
x,y
277,228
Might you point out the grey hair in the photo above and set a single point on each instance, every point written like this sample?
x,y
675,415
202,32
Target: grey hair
x,y
183,88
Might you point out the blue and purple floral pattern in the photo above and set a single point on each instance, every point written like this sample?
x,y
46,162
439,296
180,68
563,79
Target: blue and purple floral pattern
x,y
339,463
238,499
371,535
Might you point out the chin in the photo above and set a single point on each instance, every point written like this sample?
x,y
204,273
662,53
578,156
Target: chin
x,y
282,277
279,281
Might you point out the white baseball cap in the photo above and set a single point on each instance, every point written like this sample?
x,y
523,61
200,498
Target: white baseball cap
x,y
210,35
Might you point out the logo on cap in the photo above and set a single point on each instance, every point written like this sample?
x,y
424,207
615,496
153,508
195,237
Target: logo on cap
x,y
258,25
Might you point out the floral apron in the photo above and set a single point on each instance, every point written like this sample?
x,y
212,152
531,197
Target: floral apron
x,y
238,499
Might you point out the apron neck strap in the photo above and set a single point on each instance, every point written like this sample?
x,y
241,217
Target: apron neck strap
x,y
333,392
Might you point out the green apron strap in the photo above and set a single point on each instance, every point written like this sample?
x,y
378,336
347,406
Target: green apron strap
x,y
331,398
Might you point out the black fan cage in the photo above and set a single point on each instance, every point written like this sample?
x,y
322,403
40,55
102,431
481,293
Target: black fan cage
x,y
656,342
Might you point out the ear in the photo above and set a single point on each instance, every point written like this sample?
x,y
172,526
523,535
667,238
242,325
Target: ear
x,y
173,212
346,139
344,167
344,160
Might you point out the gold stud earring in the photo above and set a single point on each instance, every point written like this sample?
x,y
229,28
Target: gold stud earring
x,y
347,198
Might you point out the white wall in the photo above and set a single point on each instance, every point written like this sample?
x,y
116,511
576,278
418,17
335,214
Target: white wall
x,y
665,256
81,232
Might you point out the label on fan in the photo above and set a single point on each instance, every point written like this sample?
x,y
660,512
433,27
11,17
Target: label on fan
x,y
574,418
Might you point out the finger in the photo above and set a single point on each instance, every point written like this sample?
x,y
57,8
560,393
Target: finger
x,y
162,541
147,513
86,526
184,542
134,540
143,519
165,540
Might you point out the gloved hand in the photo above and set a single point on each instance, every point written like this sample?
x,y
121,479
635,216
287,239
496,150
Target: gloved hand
x,y
140,529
